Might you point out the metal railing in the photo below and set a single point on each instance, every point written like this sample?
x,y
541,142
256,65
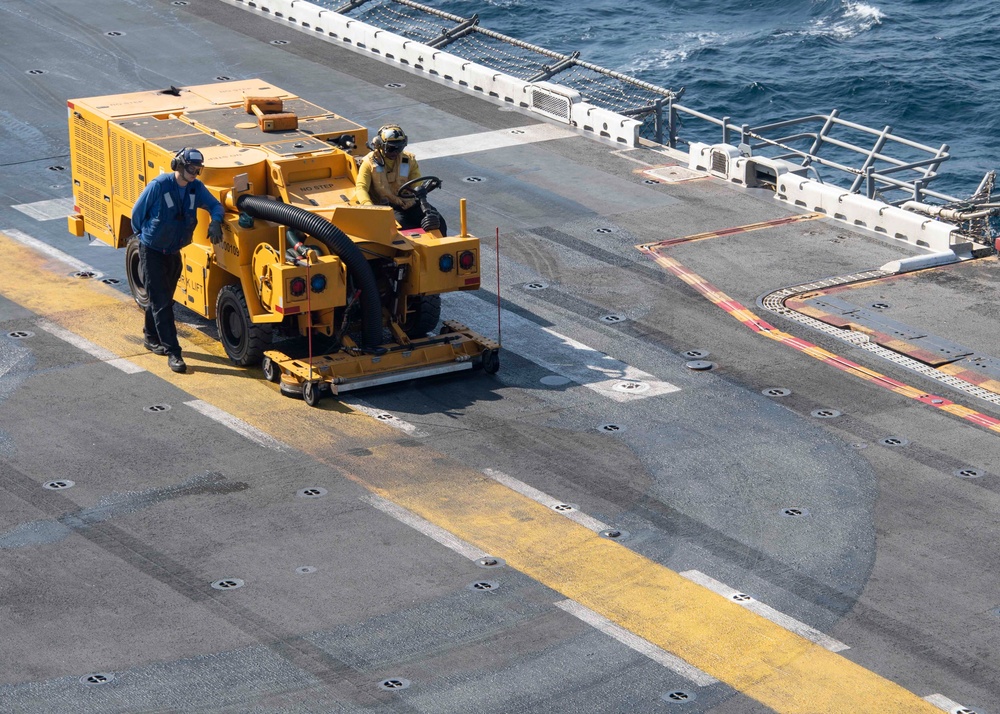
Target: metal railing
x,y
814,141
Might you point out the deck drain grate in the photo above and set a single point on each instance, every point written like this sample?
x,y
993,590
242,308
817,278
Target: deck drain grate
x,y
968,473
650,182
604,230
631,387
894,441
394,683
697,354
115,33
614,534
473,179
700,365
880,306
536,286
20,334
564,508
84,274
611,428
97,678
279,42
57,168
228,584
483,586
611,319
825,413
490,561
740,597
59,484
794,512
157,408
110,281
395,85
36,71
678,696
311,492
776,392
305,570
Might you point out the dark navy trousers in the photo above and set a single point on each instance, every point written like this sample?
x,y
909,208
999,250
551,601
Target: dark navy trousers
x,y
160,273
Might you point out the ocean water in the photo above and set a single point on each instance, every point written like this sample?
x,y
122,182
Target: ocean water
x,y
928,68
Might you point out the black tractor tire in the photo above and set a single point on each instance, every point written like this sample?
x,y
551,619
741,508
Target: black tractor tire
x,y
133,270
425,317
244,341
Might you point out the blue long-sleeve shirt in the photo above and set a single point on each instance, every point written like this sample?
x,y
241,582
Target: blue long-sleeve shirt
x,y
165,214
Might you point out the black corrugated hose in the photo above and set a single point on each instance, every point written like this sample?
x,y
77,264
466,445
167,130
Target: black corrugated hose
x,y
267,209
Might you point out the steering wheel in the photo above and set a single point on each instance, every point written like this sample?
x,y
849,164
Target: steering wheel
x,y
418,187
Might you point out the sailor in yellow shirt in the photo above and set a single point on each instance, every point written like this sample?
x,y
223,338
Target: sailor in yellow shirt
x,y
384,170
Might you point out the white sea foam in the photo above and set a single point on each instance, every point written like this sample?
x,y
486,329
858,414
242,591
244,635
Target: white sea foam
x,y
850,20
667,56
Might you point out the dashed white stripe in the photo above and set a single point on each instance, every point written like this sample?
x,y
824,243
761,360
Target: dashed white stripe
x,y
47,210
942,702
765,611
421,525
557,353
90,348
238,425
484,141
385,417
546,500
630,639
48,250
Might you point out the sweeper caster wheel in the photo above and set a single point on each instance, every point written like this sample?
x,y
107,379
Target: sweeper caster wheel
x,y
271,371
491,361
311,393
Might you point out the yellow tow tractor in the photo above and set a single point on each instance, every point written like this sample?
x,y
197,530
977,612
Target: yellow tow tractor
x,y
299,257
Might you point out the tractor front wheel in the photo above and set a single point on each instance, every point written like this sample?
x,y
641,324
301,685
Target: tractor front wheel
x,y
244,341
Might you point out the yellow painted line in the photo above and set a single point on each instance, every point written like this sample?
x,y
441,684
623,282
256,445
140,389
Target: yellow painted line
x,y
764,661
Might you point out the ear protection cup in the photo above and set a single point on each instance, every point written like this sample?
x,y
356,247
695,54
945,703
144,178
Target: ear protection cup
x,y
186,157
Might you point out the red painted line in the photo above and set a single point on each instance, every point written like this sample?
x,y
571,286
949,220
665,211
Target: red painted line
x,y
748,318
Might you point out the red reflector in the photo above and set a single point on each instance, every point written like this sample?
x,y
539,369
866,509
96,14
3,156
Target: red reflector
x,y
76,209
70,105
472,281
286,310
466,260
298,287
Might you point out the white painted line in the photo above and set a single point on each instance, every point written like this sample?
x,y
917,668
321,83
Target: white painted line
x,y
385,417
942,702
48,250
430,530
90,348
765,611
47,210
643,647
546,500
487,140
557,353
238,425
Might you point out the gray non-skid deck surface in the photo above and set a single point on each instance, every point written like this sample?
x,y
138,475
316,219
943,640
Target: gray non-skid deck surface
x,y
112,576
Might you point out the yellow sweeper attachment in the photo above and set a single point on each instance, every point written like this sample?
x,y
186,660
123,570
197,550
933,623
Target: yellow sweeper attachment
x,y
355,297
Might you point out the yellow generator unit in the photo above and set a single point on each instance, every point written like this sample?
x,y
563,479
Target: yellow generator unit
x,y
299,257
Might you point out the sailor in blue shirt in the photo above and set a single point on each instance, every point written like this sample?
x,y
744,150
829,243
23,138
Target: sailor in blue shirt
x,y
164,217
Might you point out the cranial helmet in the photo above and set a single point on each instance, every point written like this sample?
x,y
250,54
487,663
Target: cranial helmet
x,y
187,158
390,140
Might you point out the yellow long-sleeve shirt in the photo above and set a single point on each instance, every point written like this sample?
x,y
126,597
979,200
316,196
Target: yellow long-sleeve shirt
x,y
379,184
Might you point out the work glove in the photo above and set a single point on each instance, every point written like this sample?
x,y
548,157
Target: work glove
x,y
431,220
215,232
